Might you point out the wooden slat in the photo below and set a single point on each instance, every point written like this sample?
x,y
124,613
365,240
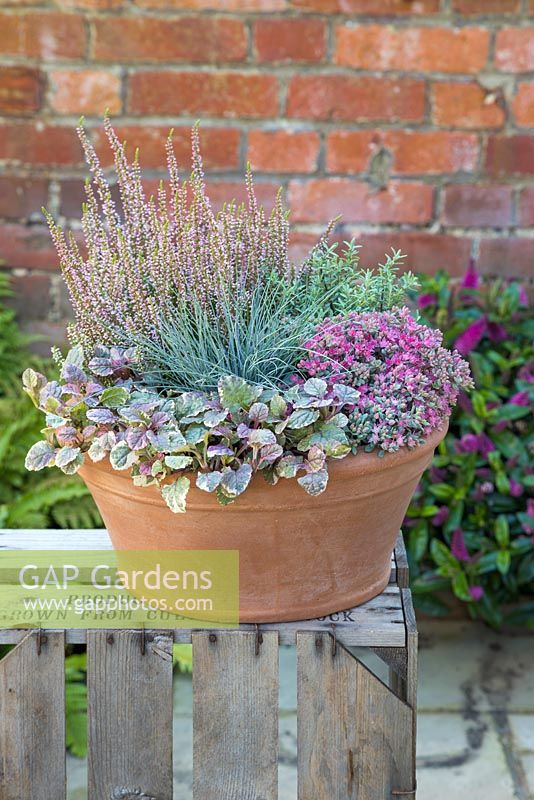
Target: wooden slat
x,y
130,714
379,622
32,720
402,576
354,735
84,539
235,716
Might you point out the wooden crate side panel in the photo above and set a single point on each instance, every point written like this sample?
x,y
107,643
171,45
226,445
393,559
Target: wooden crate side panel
x,y
354,734
129,714
235,716
32,719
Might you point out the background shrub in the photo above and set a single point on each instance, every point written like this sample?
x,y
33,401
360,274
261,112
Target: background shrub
x,y
471,523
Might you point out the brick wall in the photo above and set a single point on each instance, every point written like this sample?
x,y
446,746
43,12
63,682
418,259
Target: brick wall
x,y
412,118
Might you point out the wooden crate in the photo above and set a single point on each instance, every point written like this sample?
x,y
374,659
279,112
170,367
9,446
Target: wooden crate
x,y
356,736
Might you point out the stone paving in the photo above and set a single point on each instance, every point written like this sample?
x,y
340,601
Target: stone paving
x,y
475,724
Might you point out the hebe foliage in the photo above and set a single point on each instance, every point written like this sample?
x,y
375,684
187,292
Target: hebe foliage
x,y
471,523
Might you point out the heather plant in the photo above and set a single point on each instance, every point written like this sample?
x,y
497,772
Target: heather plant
x,y
405,380
470,527
160,250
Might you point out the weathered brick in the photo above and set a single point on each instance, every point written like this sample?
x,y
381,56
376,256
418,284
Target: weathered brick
x,y
351,151
426,252
31,296
292,39
371,7
85,91
466,105
22,197
321,200
221,192
343,97
220,146
413,152
477,206
39,144
510,155
380,47
514,49
20,90
42,35
228,94
523,105
283,151
93,5
526,207
72,195
506,256
186,39
484,7
241,6
28,246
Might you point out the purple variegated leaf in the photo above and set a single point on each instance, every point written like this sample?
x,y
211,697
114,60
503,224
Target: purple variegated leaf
x,y
137,438
219,450
104,416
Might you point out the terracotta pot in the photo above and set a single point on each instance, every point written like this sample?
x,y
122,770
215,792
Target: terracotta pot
x,y
301,557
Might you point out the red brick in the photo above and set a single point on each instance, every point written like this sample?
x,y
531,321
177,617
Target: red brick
x,y
283,151
344,97
371,7
22,197
93,5
72,195
31,296
350,151
485,7
526,207
241,6
190,39
321,200
290,39
228,94
426,252
381,47
220,146
221,192
514,49
523,105
39,144
28,246
507,256
20,90
466,105
477,206
510,155
42,35
86,91
414,152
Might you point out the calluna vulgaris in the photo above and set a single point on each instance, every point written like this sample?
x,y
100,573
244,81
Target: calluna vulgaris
x,y
200,352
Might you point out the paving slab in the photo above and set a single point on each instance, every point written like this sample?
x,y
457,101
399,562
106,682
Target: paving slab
x,y
522,727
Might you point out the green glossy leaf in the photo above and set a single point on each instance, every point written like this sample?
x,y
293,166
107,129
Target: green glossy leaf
x,y
114,397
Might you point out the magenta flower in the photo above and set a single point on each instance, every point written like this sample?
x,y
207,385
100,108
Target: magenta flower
x,y
471,337
458,546
468,443
485,445
497,332
441,516
519,399
516,490
476,592
470,279
425,300
523,297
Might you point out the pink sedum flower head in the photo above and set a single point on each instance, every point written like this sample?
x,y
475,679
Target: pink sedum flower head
x,y
406,381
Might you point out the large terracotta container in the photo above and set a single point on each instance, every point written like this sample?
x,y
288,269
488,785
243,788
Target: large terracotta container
x,y
300,557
